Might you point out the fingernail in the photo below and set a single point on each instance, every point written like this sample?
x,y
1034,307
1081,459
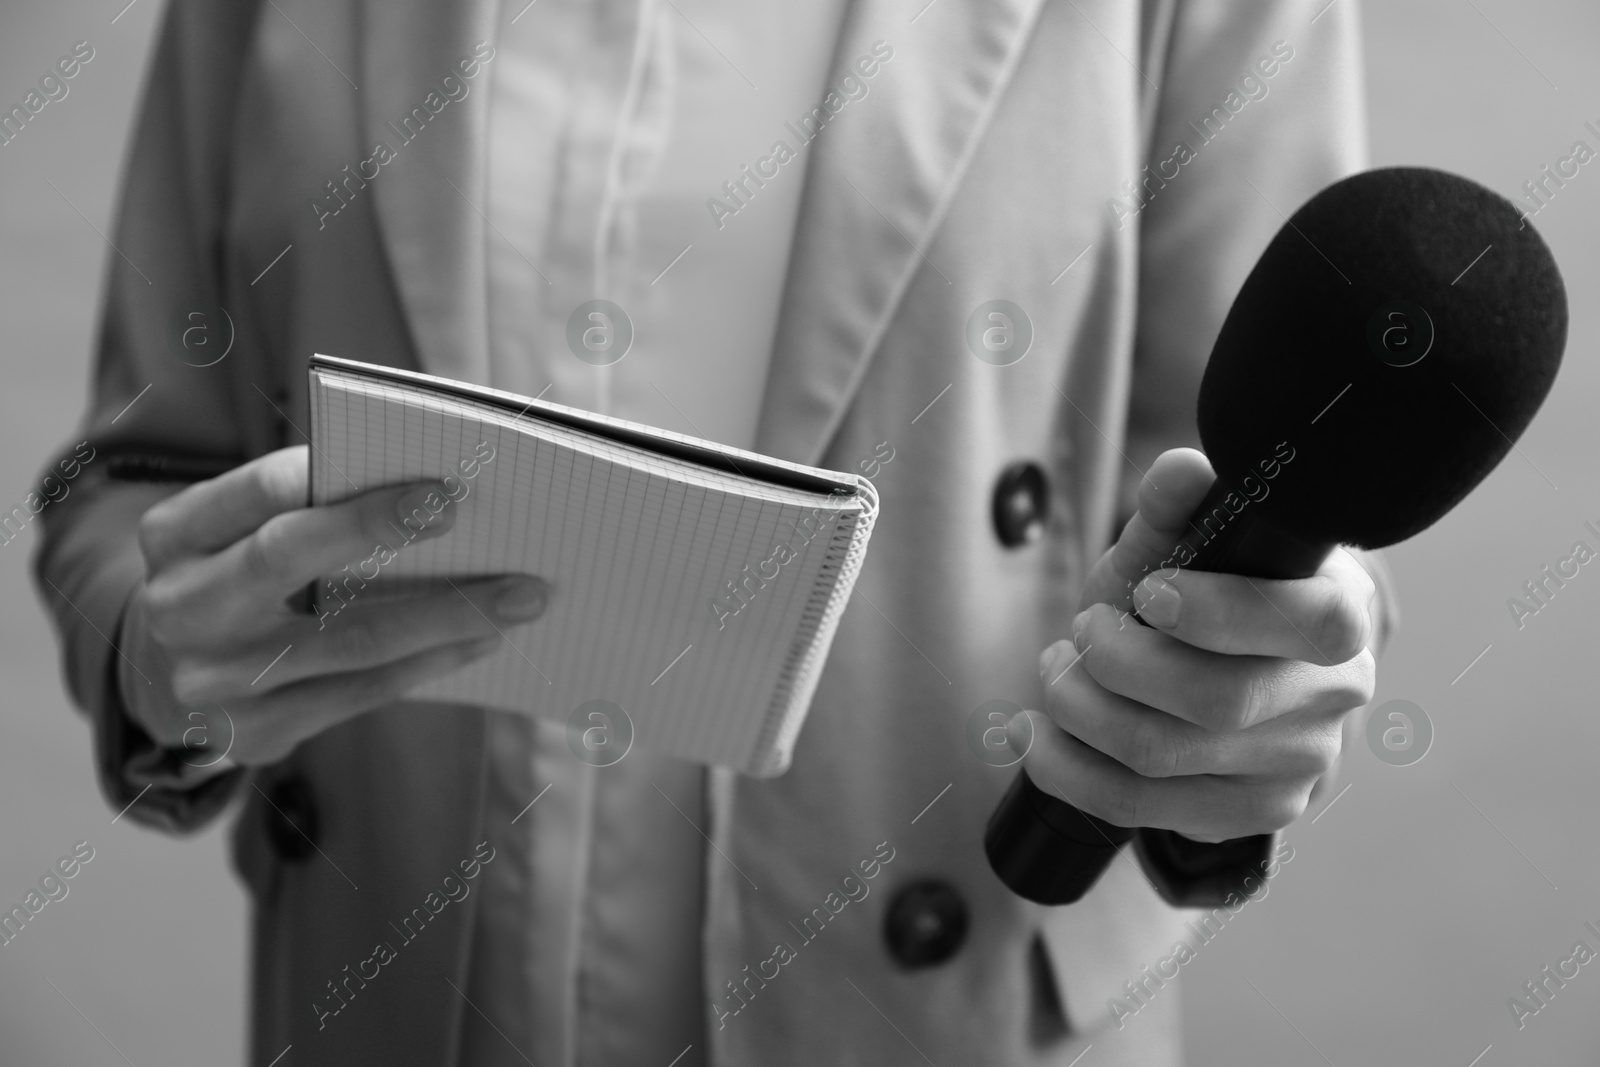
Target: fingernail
x,y
1158,602
1053,660
1080,623
521,599
1019,732
424,510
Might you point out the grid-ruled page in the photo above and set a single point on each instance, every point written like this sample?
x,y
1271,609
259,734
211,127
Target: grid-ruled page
x,y
683,595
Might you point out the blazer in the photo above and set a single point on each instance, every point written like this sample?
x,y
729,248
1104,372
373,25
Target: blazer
x,y
1111,169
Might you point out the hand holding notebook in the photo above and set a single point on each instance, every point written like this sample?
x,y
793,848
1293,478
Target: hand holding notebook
x,y
695,588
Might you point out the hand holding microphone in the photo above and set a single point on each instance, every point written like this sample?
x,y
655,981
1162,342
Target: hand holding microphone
x,y
1397,336
1218,718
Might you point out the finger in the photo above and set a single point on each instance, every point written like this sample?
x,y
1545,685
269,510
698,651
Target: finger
x,y
375,633
239,593
261,509
1154,744
366,634
213,514
1327,618
271,727
1174,486
1211,690
1146,741
1329,781
1218,807
363,533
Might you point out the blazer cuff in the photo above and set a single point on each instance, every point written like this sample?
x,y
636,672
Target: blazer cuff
x,y
1194,874
174,789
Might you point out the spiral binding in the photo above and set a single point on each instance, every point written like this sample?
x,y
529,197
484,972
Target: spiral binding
x,y
802,670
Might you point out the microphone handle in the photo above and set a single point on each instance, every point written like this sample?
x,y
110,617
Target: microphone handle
x,y
1047,851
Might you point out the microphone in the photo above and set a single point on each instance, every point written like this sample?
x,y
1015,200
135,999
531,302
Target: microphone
x,y
1387,350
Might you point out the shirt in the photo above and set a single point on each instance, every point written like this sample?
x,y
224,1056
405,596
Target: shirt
x,y
630,162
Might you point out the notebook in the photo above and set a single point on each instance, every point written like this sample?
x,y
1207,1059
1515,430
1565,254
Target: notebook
x,y
696,588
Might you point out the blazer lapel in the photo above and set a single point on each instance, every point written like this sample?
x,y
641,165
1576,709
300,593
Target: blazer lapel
x,y
880,179
432,232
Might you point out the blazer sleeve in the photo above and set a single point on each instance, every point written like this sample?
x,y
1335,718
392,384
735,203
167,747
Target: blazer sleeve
x,y
1207,209
1258,108
147,397
1219,183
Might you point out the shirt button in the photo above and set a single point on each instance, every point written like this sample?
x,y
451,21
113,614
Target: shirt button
x,y
291,818
925,925
1021,503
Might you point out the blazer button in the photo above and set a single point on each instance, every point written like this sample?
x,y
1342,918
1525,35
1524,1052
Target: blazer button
x,y
925,925
1021,502
291,818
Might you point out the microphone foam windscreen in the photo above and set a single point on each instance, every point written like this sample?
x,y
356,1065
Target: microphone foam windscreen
x,y
1398,334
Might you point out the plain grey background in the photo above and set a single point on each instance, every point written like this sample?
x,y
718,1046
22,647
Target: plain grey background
x,y
1415,905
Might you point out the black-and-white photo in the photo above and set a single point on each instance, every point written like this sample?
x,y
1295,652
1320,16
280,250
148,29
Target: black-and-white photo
x,y
677,533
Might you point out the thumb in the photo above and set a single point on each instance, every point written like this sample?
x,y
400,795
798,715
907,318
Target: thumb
x,y
1174,486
